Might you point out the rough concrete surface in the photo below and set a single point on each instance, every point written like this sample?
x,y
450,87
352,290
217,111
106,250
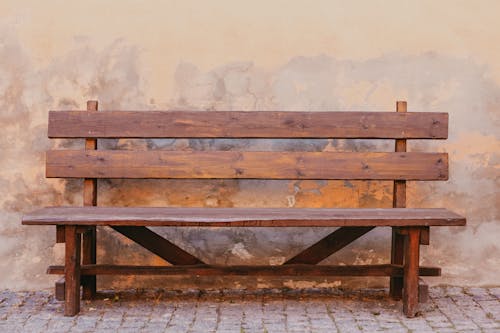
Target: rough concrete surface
x,y
189,55
450,309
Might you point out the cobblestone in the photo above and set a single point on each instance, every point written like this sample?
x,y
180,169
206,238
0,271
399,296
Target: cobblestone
x,y
450,309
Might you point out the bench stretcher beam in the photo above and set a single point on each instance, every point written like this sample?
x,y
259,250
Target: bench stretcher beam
x,y
247,270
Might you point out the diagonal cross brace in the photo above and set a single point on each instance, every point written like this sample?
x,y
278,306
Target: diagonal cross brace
x,y
158,245
332,243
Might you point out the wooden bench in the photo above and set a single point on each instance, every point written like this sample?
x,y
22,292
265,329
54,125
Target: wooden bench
x,y
76,226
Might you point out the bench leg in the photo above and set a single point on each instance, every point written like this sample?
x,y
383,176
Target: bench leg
x,y
89,258
423,292
397,255
72,271
60,288
410,271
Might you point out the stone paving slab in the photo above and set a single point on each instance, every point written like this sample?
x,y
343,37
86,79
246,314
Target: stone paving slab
x,y
450,309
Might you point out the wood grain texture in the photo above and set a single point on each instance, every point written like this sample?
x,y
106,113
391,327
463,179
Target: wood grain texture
x,y
264,270
246,165
242,217
158,245
252,124
328,245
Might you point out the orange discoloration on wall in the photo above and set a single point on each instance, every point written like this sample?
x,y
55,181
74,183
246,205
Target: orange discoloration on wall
x,y
333,55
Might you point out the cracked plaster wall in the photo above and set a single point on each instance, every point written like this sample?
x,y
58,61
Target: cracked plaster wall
x,y
51,61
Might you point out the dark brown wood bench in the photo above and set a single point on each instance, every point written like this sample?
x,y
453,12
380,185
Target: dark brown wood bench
x,y
76,226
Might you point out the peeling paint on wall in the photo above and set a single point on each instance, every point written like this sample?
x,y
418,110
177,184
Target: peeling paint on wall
x,y
115,75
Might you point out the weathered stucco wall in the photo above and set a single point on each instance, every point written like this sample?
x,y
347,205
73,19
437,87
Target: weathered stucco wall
x,y
330,55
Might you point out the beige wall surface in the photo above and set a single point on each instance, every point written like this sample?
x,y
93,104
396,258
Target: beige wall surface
x,y
252,55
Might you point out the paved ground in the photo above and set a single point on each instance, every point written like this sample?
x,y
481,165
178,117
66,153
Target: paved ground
x,y
450,309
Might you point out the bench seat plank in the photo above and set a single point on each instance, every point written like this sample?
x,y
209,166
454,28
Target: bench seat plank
x,y
242,217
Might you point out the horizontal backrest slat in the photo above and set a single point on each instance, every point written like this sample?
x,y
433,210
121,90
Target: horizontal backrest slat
x,y
253,124
248,164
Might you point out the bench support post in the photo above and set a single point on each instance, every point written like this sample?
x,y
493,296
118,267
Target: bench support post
x,y
59,285
89,237
72,271
396,283
411,272
398,201
59,289
423,288
89,258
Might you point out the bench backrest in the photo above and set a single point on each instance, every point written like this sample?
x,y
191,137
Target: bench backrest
x,y
399,165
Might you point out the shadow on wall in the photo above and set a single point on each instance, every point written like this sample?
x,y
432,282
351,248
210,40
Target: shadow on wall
x,y
430,82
